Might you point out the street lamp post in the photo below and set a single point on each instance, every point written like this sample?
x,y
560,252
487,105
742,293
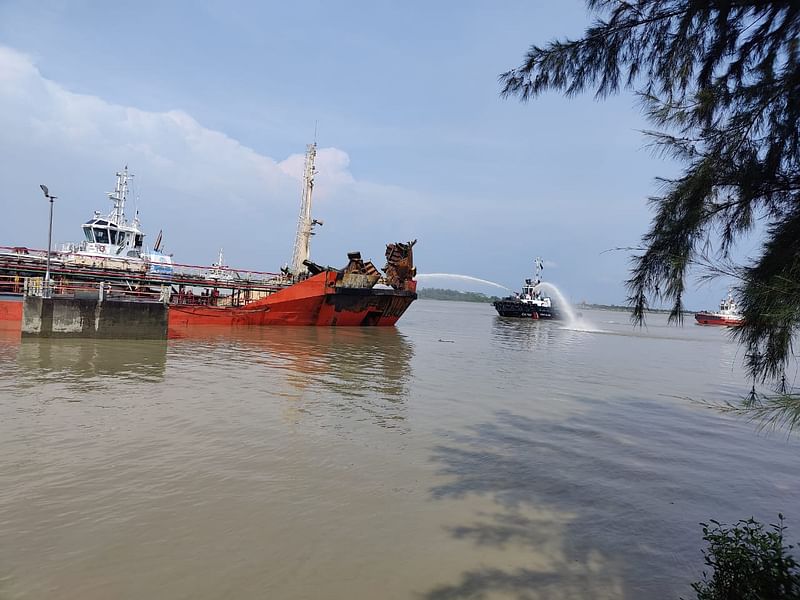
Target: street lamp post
x,y
49,239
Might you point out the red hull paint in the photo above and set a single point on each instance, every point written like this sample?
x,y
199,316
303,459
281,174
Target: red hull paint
x,y
11,313
315,301
712,319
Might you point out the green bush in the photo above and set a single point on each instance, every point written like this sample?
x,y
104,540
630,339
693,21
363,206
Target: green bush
x,y
748,562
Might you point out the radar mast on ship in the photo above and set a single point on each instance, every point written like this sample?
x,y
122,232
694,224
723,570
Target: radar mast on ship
x,y
119,196
305,224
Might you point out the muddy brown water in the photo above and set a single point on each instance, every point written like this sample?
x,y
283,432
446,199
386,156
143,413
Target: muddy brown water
x,y
458,455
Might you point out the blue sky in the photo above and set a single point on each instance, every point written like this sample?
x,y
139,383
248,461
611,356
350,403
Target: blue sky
x,y
211,105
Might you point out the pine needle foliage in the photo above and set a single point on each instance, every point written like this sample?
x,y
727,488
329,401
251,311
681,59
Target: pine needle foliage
x,y
720,80
747,561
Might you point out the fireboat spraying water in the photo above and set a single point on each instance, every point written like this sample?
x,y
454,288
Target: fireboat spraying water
x,y
532,302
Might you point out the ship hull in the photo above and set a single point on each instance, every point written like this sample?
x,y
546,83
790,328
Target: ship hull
x,y
704,318
315,301
524,310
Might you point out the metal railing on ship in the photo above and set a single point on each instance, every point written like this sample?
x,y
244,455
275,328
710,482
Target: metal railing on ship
x,y
175,295
11,285
98,267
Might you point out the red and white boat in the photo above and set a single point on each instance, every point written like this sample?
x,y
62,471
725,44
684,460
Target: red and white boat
x,y
727,315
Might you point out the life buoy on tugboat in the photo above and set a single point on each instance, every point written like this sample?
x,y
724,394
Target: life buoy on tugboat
x,y
101,247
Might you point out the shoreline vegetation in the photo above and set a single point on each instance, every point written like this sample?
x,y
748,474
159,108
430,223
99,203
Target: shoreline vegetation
x,y
620,308
458,296
446,294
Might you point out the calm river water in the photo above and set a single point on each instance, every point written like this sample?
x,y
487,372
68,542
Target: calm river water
x,y
457,456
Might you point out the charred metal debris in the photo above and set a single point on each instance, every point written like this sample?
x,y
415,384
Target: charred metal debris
x,y
358,273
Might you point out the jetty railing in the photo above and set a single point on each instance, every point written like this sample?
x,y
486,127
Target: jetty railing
x,y
102,291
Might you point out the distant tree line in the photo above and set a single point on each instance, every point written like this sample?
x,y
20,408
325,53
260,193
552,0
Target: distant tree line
x,y
444,294
624,308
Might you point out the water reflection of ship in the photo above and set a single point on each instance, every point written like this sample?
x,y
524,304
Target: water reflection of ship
x,y
523,334
77,360
355,372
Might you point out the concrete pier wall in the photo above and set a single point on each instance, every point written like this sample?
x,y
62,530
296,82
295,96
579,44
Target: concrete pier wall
x,y
90,318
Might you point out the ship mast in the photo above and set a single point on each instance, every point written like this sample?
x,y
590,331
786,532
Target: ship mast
x,y
305,224
119,195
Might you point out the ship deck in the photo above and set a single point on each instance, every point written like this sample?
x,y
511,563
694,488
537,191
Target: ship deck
x,y
24,262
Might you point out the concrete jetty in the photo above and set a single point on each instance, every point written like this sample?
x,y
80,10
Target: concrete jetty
x,y
93,316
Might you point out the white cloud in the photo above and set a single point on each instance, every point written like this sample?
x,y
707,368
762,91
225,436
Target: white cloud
x,y
332,166
169,145
204,187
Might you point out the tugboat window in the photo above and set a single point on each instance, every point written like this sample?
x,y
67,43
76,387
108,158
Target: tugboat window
x,y
87,231
101,236
138,240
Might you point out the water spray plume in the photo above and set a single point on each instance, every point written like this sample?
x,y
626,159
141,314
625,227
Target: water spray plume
x,y
462,278
561,302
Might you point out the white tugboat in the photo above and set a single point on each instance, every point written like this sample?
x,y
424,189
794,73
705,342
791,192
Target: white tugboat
x,y
530,303
111,241
219,270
